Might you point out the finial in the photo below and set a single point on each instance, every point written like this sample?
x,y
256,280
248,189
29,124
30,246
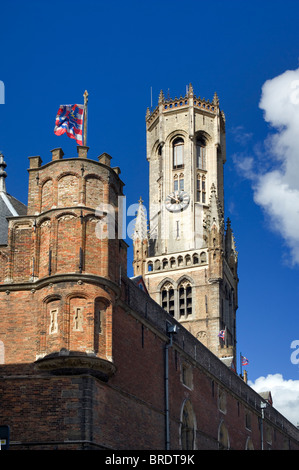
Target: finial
x,y
161,97
190,90
85,94
216,99
140,200
3,173
213,188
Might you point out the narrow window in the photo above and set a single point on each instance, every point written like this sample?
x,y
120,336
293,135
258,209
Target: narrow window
x,y
200,154
198,189
187,375
178,153
203,187
185,299
178,182
195,258
53,321
78,319
181,183
167,298
149,266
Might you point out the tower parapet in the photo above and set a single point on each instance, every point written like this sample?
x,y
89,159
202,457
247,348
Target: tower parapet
x,y
167,105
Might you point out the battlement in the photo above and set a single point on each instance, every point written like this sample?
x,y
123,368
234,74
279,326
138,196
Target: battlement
x,y
167,105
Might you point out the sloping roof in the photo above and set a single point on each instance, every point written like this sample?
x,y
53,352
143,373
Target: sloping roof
x,y
139,281
9,207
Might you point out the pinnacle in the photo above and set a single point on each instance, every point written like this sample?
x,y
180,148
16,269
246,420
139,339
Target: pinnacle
x,y
3,173
161,97
140,231
216,99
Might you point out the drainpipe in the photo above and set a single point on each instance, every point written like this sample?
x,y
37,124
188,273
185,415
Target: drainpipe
x,y
263,406
170,331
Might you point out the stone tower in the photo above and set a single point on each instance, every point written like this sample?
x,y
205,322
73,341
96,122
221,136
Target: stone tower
x,y
60,271
191,266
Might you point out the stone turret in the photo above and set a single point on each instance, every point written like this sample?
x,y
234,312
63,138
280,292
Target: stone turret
x,y
140,241
62,269
3,174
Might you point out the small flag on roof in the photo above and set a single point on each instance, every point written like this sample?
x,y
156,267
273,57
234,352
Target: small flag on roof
x,y
221,334
69,120
244,360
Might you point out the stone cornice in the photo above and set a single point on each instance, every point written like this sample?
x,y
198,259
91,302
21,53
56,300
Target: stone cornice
x,y
65,362
57,278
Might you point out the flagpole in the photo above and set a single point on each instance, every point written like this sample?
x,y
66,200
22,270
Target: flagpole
x,y
85,118
241,363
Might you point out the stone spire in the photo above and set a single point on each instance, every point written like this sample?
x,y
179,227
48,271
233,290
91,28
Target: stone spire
x,y
190,90
3,174
161,97
140,232
216,99
215,214
140,241
231,253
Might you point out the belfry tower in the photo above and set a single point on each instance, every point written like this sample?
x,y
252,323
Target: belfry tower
x,y
191,265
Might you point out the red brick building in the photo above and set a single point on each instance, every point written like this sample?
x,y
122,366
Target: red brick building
x,y
88,359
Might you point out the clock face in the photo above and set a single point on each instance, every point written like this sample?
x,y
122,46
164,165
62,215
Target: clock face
x,y
177,201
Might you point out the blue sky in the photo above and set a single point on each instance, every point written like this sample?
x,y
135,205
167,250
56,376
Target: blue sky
x,y
51,51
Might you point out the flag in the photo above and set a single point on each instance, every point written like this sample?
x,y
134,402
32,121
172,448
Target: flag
x,y
69,119
244,360
221,334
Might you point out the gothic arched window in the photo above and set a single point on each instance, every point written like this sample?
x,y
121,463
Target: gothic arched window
x,y
167,298
178,182
223,438
188,427
178,153
185,298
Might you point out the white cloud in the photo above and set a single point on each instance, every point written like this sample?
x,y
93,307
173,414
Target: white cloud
x,y
240,135
285,394
273,167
